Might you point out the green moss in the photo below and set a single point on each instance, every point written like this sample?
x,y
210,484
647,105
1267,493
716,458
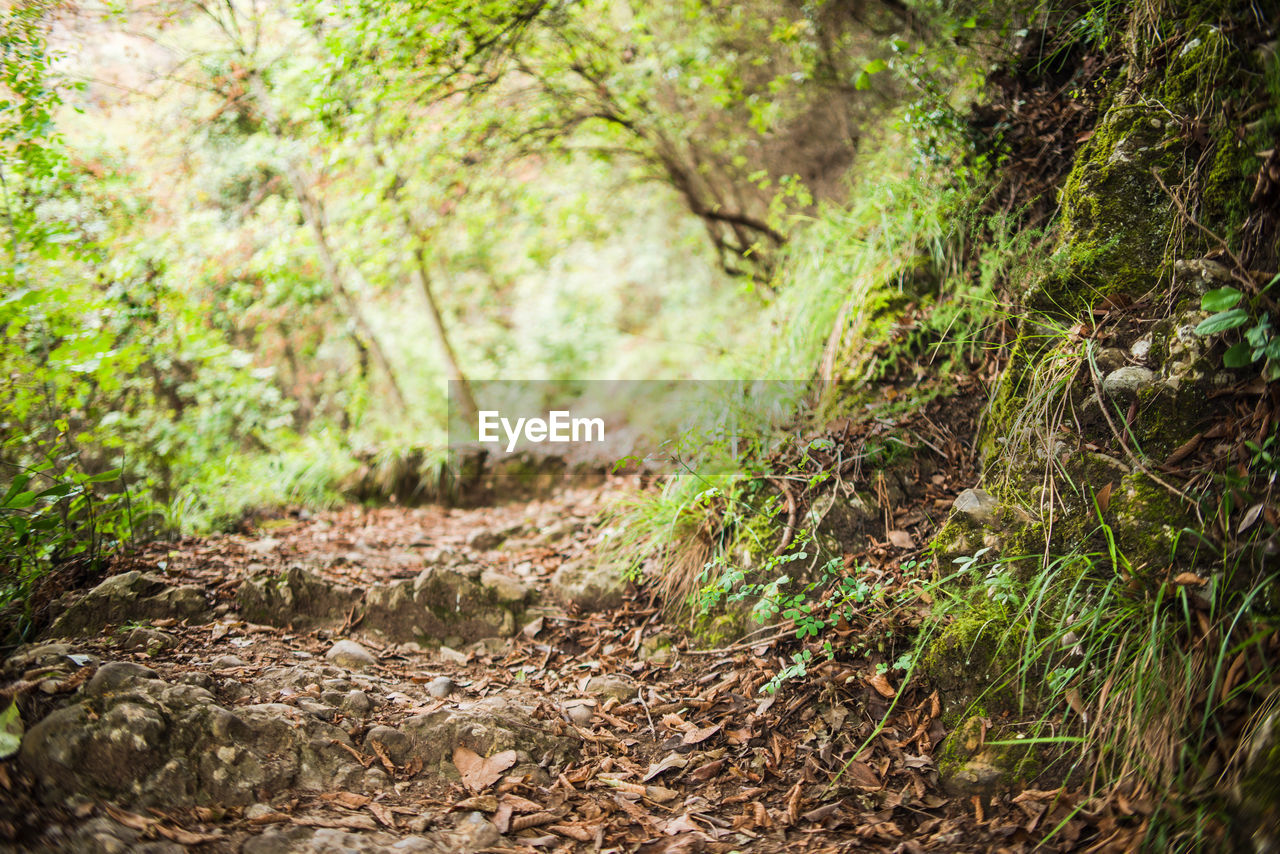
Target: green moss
x,y
970,664
1115,217
1147,521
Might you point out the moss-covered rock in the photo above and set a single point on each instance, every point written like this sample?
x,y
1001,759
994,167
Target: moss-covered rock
x,y
971,663
970,764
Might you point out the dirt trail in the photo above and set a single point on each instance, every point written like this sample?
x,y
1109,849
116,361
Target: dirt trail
x,y
205,700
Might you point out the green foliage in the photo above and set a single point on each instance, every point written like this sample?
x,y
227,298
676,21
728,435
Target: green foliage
x,y
1260,342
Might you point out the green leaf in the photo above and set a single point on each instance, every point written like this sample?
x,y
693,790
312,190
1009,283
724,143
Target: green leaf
x,y
114,474
60,491
862,81
875,66
1238,356
10,730
1222,321
19,482
1220,299
20,501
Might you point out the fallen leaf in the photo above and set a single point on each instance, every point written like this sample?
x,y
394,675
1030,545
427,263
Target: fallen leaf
x,y
1103,497
350,800
532,629
130,820
860,774
697,736
383,815
881,683
660,794
479,772
483,803
705,772
519,804
673,761
902,539
1189,579
573,831
186,837
1250,516
675,722
681,824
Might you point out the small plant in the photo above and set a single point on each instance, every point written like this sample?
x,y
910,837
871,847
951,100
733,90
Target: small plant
x,y
50,514
1260,343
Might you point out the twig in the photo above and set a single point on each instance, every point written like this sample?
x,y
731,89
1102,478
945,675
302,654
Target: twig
x,y
645,705
745,645
789,532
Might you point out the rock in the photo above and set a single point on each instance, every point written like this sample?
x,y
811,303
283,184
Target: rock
x,y
139,740
486,726
395,744
452,656
442,557
115,675
613,686
838,520
1202,274
101,835
977,505
656,649
440,604
486,539
316,707
264,546
258,811
357,702
441,687
349,654
588,586
557,530
1109,359
508,590
130,597
296,597
490,646
1141,349
228,661
1127,381
969,767
150,640
580,711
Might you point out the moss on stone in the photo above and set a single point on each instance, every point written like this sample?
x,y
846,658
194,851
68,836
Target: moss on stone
x,y
971,665
1147,521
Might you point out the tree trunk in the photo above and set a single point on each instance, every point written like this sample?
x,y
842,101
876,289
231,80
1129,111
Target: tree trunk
x,y
462,387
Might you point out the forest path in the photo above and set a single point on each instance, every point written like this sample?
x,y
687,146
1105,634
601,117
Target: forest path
x,y
209,704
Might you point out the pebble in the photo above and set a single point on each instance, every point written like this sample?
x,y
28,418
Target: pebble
x,y
580,713
258,811
350,654
441,687
978,505
452,656
1128,380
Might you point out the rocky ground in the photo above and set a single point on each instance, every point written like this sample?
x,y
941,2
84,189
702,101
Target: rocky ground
x,y
422,680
